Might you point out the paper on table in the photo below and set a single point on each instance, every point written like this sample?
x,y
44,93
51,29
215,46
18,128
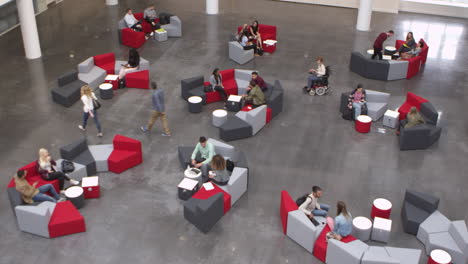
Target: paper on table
x,y
208,186
270,42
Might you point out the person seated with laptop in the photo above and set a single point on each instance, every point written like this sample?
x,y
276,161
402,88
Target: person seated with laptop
x,y
311,206
202,155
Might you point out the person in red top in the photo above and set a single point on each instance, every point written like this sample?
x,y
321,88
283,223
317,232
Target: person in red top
x,y
259,81
378,43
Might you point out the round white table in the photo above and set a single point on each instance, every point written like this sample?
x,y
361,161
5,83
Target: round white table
x,y
195,104
381,208
439,256
370,51
193,173
105,91
75,195
219,117
362,227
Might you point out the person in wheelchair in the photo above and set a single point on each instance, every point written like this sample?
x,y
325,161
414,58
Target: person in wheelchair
x,y
315,74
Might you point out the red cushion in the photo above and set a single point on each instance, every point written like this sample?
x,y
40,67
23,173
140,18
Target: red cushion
x,y
132,38
227,75
212,97
414,65
32,176
106,62
121,160
268,115
125,143
144,25
247,108
230,84
203,194
424,52
287,205
139,79
411,100
320,247
66,220
398,43
267,29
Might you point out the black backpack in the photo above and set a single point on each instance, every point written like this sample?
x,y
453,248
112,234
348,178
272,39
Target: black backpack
x,y
302,199
229,165
67,166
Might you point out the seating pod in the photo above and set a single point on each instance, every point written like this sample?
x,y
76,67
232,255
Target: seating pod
x,y
90,73
435,223
105,62
204,213
238,54
67,91
174,28
255,118
35,219
101,154
127,154
417,207
130,37
377,104
147,28
237,184
384,70
302,231
78,152
422,54
339,252
66,220
454,241
266,32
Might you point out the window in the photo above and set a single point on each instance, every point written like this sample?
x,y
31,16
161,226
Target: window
x,y
461,3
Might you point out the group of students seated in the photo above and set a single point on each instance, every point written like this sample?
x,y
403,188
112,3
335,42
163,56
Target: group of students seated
x,y
213,166
255,91
410,48
149,15
249,37
341,225
47,168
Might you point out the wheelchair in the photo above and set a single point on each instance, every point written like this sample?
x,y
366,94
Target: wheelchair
x,y
320,86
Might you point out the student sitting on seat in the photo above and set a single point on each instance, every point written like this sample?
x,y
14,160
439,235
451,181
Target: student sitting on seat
x,y
219,173
202,155
343,223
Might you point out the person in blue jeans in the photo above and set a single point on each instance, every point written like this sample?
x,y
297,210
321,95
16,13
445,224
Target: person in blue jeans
x,y
343,223
30,194
356,100
311,207
87,97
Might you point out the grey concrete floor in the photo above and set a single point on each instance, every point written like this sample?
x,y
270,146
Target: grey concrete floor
x,y
139,219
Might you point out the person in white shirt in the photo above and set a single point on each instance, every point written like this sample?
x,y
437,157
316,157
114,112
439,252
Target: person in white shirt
x,y
315,74
311,207
87,97
247,44
132,22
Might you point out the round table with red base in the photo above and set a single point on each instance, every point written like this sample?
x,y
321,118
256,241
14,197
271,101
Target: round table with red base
x,y
363,124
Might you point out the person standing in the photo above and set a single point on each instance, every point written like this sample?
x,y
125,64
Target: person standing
x,y
311,207
378,43
151,17
88,97
159,111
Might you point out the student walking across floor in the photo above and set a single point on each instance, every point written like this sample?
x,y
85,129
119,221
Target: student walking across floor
x,y
90,105
159,111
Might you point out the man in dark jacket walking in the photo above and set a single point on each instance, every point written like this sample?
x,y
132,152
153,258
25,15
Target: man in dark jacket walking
x,y
158,111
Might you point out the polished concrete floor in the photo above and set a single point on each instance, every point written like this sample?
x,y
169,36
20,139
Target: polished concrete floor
x,y
139,219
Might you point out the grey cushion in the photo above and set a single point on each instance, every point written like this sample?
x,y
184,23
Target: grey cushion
x,y
349,253
101,154
118,65
15,198
429,113
204,214
275,100
78,173
397,69
237,184
357,63
377,69
94,77
404,255
241,159
444,241
67,78
418,137
459,233
121,24
35,219
435,223
78,152
67,94
188,84
412,217
238,54
185,155
174,29
378,255
302,231
86,66
427,202
255,117
223,149
376,110
235,128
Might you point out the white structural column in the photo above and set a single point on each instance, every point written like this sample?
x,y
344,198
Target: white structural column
x,y
212,7
32,46
112,2
364,15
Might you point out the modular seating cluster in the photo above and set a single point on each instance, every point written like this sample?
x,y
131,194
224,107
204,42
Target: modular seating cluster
x,y
387,70
93,72
135,39
350,250
205,208
420,217
421,136
51,220
246,122
241,56
376,104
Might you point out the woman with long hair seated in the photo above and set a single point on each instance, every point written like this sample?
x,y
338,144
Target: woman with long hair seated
x,y
247,44
47,168
342,224
219,173
216,82
408,45
132,64
255,34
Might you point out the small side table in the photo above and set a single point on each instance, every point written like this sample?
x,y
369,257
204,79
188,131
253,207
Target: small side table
x,y
75,195
193,174
391,118
160,35
91,187
390,50
219,117
381,208
362,228
439,256
363,124
381,229
112,79
105,91
234,103
370,51
195,104
186,188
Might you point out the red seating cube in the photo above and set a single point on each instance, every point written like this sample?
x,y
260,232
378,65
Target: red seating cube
x,y
287,205
127,153
106,62
414,65
133,39
266,32
139,79
212,97
320,247
125,143
144,25
203,194
66,220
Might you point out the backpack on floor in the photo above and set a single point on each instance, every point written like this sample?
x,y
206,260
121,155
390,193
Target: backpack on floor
x,y
302,199
67,166
229,165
